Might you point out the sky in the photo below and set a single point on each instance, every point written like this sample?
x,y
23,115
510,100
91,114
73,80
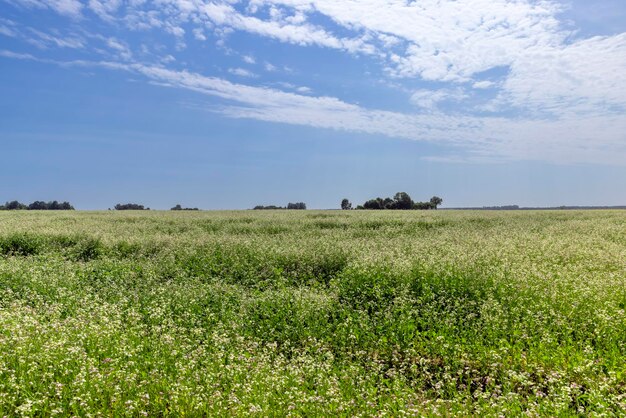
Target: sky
x,y
228,104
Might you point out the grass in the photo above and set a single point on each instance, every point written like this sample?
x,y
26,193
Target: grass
x,y
308,313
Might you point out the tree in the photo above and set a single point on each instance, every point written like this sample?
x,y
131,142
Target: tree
x,y
346,205
422,206
129,206
436,201
269,207
54,205
14,205
179,207
38,205
299,206
402,201
374,204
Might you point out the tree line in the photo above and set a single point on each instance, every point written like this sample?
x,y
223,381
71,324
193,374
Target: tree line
x,y
400,201
179,207
37,205
290,206
129,206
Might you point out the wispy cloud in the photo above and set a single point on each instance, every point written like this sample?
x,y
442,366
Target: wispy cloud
x,y
120,48
429,99
16,55
484,84
242,72
6,31
71,8
292,29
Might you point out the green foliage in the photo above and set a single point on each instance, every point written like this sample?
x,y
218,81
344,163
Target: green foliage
x,y
336,313
179,207
130,206
297,206
37,205
291,206
21,244
14,205
401,201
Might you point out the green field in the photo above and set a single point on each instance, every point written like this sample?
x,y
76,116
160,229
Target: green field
x,y
307,313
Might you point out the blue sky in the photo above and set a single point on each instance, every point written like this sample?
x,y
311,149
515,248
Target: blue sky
x,y
229,104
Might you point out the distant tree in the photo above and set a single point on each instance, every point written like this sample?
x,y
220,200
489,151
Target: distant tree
x,y
179,207
402,201
15,205
346,205
298,206
374,204
422,206
388,203
38,205
435,201
269,207
54,205
130,206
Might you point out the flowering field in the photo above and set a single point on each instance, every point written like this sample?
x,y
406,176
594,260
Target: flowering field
x,y
309,313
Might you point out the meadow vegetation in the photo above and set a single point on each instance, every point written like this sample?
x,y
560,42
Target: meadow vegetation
x,y
312,313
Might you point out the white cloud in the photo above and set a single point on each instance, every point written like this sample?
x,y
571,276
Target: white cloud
x,y
44,40
6,31
429,99
445,40
16,55
121,49
587,76
291,86
241,72
249,59
105,9
168,59
304,89
175,30
199,34
484,84
296,31
455,40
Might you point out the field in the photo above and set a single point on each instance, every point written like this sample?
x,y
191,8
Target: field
x,y
313,313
